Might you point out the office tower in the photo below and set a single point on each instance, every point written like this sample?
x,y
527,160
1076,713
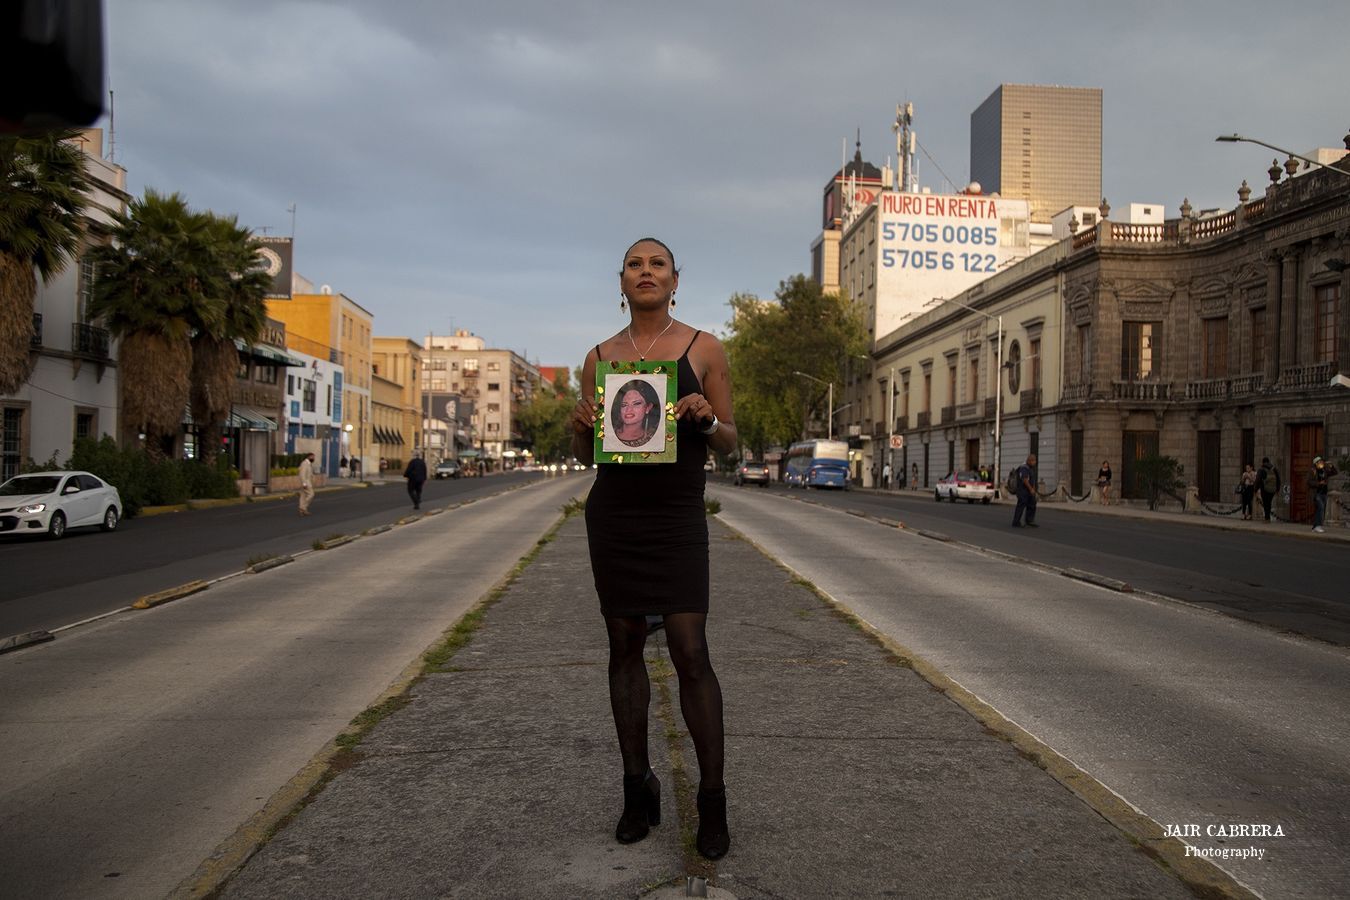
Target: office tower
x,y
1039,143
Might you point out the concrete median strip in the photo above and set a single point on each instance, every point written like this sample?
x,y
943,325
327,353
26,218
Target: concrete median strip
x,y
336,542
173,593
266,564
27,639
1123,587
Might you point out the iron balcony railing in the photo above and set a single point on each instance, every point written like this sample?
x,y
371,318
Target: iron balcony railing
x,y
88,340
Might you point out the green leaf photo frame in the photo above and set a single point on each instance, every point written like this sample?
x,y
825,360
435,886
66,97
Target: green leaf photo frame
x,y
636,402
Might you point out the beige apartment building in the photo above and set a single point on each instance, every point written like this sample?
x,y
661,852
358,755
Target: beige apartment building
x,y
487,386
1040,143
399,360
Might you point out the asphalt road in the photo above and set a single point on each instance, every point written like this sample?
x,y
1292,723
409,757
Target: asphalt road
x,y
1200,721
134,745
47,584
1284,581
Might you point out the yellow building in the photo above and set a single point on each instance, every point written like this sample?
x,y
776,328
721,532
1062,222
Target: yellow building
x,y
399,360
336,326
386,425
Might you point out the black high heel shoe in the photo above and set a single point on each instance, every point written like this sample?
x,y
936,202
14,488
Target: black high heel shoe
x,y
713,840
641,807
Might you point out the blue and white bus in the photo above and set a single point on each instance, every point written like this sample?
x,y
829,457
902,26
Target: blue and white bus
x,y
816,464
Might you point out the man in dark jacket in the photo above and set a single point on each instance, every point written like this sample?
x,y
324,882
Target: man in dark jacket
x,y
416,473
1322,473
1026,494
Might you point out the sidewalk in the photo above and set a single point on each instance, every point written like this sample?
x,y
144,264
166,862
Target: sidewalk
x,y
1335,531
848,774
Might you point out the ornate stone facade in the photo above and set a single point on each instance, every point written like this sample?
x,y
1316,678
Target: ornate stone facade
x,y
1211,340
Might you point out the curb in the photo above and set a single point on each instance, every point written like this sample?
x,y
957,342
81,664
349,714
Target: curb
x,y
1123,587
173,593
27,639
272,563
378,529
337,542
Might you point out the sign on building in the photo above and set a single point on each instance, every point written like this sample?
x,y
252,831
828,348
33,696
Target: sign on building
x,y
937,245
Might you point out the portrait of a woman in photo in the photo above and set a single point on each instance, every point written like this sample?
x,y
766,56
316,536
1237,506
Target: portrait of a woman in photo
x,y
636,414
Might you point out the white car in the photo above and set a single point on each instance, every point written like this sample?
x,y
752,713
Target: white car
x,y
50,502
965,485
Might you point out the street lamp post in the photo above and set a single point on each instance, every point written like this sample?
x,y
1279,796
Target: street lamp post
x,y
998,390
1243,139
830,384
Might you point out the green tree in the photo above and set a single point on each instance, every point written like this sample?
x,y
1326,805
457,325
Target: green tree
x,y
1158,475
237,311
43,193
801,330
543,418
177,286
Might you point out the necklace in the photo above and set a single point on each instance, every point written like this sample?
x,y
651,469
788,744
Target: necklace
x,y
642,357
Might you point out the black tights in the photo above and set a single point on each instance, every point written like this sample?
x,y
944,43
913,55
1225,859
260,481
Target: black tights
x,y
630,691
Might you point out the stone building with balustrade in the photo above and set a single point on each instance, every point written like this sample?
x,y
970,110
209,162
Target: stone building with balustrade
x,y
1210,339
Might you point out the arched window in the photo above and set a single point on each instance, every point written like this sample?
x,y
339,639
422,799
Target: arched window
x,y
1014,364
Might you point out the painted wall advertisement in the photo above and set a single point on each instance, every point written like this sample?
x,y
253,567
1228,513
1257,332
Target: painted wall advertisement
x,y
937,245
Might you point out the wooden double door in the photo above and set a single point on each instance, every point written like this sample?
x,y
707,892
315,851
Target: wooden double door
x,y
1305,442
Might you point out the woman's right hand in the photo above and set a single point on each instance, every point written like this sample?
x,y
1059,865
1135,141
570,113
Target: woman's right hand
x,y
583,417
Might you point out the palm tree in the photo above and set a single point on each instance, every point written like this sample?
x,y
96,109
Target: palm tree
x,y
155,284
238,311
43,193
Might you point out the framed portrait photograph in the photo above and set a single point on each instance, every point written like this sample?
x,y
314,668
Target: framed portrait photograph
x,y
637,411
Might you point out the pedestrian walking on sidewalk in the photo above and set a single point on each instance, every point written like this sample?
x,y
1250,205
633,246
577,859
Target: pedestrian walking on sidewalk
x,y
1268,482
886,477
416,473
647,531
1318,482
914,476
1026,493
1247,490
306,483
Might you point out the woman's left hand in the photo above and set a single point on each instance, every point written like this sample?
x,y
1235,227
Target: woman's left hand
x,y
695,407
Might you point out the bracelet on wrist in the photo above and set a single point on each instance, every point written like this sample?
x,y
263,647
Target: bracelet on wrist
x,y
712,428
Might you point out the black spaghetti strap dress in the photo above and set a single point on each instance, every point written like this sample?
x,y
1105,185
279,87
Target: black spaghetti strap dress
x,y
647,527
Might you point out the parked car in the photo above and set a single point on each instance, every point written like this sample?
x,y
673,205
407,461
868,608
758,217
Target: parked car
x,y
51,502
447,468
751,472
963,485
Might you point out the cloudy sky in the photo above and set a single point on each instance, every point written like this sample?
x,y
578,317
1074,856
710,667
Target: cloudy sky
x,y
483,165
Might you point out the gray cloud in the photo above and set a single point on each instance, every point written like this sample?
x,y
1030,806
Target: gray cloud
x,y
487,163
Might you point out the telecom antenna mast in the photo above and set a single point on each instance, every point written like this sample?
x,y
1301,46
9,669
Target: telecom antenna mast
x,y
905,142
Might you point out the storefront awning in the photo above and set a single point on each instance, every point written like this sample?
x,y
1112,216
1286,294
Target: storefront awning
x,y
250,418
269,353
468,454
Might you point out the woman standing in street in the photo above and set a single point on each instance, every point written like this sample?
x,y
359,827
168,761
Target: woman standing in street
x,y
1104,481
650,517
1247,488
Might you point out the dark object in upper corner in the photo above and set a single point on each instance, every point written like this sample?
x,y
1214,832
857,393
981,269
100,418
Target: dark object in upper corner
x,y
51,64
